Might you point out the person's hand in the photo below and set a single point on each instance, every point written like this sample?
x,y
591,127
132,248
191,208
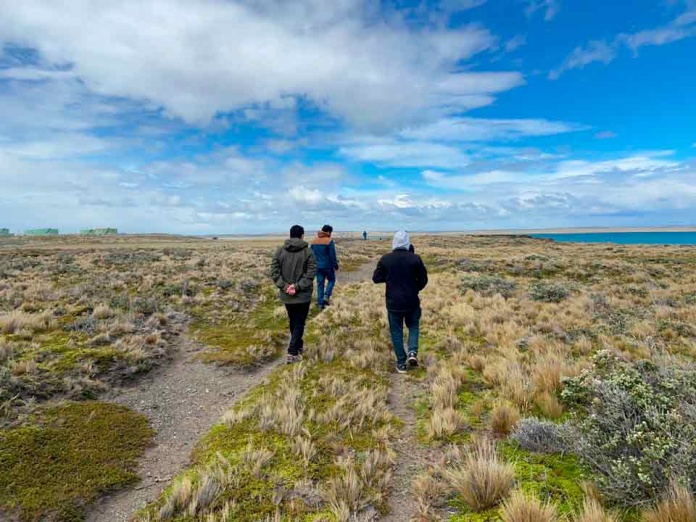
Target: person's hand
x,y
337,269
290,290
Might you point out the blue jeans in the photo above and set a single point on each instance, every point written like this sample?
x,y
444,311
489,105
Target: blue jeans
x,y
324,275
396,329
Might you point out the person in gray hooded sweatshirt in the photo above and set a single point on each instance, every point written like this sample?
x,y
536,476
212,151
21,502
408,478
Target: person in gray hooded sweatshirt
x,y
405,276
293,270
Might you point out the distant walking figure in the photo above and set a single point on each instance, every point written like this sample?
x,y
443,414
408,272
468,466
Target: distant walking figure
x,y
405,276
325,253
293,269
364,235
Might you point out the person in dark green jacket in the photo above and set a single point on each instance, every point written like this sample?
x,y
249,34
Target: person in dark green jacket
x,y
293,270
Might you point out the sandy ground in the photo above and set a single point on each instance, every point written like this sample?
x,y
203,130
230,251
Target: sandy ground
x,y
182,399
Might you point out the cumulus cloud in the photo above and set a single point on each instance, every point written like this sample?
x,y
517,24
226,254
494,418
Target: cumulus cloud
x,y
200,58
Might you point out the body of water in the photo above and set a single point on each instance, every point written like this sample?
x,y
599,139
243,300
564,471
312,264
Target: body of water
x,y
626,238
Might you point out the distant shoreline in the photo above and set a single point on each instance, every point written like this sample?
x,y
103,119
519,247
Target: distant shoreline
x,y
388,233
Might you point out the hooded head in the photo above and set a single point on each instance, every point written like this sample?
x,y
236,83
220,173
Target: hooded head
x,y
401,240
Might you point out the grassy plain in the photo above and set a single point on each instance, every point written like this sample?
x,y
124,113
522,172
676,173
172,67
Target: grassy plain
x,y
524,343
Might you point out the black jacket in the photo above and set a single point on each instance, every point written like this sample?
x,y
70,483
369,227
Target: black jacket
x,y
405,275
294,264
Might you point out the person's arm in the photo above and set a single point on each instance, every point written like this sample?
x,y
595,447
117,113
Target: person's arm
x,y
332,255
421,275
276,273
380,275
306,279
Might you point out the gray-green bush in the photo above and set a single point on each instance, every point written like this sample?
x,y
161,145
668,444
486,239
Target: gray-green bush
x,y
636,430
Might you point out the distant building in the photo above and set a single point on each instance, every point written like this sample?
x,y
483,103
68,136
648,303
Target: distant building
x,y
41,232
4,231
99,231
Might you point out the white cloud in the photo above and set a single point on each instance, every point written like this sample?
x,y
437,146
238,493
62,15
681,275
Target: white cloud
x,y
455,6
481,129
199,58
515,42
596,51
406,154
658,36
549,7
472,181
605,135
680,28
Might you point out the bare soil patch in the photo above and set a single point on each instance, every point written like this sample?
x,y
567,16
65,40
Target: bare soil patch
x,y
182,400
411,457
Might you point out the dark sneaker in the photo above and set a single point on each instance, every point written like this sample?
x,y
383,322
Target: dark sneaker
x,y
400,368
327,301
291,359
412,359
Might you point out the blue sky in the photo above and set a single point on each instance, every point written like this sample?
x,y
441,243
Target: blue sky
x,y
240,116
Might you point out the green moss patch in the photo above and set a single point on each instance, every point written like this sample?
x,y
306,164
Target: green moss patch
x,y
549,477
66,456
240,338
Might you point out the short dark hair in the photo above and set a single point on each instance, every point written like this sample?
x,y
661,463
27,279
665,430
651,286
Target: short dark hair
x,y
327,228
296,231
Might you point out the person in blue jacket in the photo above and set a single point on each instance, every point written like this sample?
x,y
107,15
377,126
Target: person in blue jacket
x,y
327,264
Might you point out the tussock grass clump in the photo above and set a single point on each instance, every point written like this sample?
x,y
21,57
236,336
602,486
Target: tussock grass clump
x,y
445,420
521,507
481,478
16,322
504,418
593,511
357,485
677,505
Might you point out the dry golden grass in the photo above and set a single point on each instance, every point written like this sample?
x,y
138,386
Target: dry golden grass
x,y
480,350
593,511
482,478
678,505
521,507
504,418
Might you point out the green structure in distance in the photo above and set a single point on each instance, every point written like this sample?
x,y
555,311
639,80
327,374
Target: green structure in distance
x,y
41,232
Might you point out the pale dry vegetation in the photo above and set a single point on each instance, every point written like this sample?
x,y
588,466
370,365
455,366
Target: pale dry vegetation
x,y
511,334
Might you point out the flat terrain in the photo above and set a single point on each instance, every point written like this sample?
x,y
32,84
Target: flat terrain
x,y
140,378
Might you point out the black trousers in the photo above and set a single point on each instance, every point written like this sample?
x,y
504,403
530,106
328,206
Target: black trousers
x,y
297,313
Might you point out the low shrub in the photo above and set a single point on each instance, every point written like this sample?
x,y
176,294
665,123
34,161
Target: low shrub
x,y
636,429
540,436
548,292
490,285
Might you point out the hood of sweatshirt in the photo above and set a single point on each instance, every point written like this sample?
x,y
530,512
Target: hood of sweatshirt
x,y
323,234
295,244
401,240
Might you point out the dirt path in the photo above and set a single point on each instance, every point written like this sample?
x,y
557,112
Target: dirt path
x,y
182,399
411,457
363,273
